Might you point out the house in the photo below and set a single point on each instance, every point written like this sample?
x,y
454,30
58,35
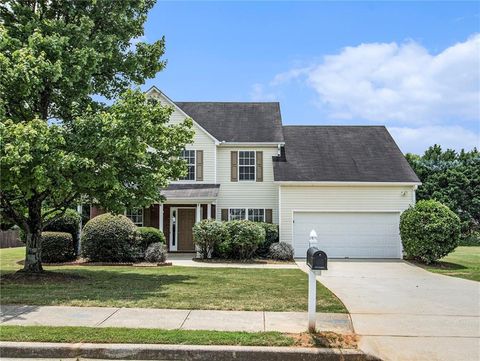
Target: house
x,y
349,183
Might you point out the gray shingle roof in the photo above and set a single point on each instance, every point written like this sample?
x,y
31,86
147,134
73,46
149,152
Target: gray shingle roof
x,y
236,121
342,153
185,191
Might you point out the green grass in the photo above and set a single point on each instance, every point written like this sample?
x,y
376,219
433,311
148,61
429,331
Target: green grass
x,y
464,262
141,335
167,287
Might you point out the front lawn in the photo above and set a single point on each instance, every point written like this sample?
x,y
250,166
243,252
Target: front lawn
x,y
166,287
464,262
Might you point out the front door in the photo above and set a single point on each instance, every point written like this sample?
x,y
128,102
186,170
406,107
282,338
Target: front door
x,y
185,223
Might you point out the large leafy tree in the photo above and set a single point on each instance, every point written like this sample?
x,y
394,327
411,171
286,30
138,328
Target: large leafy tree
x,y
59,142
453,179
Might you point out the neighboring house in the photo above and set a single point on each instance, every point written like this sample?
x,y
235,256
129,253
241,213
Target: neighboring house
x,y
349,183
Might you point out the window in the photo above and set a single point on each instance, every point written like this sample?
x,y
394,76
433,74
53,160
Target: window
x,y
236,214
256,215
136,215
246,165
189,156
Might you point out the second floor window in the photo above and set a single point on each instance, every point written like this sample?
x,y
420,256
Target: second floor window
x,y
189,156
246,165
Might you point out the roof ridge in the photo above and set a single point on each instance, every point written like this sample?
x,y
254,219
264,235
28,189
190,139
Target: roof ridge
x,y
330,125
228,101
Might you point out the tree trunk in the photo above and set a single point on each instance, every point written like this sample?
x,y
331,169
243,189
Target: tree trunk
x,y
33,253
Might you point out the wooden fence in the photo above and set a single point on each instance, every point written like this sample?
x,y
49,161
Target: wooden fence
x,y
10,238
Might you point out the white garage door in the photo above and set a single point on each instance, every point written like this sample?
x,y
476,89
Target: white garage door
x,y
349,234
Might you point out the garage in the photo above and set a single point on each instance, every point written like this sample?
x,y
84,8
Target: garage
x,y
349,234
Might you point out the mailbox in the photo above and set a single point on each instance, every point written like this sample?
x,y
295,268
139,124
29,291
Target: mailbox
x,y
316,259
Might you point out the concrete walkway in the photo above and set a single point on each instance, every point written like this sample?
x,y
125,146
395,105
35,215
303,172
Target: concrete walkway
x,y
186,260
251,321
406,313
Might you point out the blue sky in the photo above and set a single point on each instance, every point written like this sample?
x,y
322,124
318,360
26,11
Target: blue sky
x,y
413,66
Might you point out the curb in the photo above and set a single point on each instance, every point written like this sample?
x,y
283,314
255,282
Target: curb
x,y
176,352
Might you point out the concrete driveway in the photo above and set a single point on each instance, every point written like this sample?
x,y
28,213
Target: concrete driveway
x,y
405,313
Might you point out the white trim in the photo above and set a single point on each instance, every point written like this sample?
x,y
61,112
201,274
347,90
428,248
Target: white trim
x,y
160,217
254,166
143,215
246,212
154,88
339,183
189,200
209,211
198,216
189,165
175,248
279,213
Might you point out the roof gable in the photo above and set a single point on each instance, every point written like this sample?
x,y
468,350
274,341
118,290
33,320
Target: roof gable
x,y
155,92
238,122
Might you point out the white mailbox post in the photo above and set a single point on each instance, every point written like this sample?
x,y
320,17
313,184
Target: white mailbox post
x,y
316,261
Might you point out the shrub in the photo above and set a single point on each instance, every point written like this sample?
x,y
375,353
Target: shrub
x,y
242,239
57,247
281,251
429,231
69,223
271,236
110,238
207,234
156,253
149,235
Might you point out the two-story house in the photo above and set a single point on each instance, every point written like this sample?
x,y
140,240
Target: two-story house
x,y
349,183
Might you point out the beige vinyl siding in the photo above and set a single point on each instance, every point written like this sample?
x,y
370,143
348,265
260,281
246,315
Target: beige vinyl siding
x,y
340,198
201,141
246,194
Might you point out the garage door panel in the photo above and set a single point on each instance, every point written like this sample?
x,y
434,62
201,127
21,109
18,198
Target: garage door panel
x,y
349,234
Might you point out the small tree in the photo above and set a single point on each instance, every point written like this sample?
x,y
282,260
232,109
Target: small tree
x,y
429,231
59,143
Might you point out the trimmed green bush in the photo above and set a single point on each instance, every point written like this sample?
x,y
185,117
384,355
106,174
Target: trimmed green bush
x,y
69,223
57,247
242,239
110,238
156,253
429,231
207,235
271,236
281,251
149,235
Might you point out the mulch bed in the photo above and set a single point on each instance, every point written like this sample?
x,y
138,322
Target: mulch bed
x,y
248,261
83,262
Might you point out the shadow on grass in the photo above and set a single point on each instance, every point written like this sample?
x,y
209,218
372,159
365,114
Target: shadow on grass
x,y
106,287
447,266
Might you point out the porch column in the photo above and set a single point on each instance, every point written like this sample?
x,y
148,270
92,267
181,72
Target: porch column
x,y
209,211
198,216
160,216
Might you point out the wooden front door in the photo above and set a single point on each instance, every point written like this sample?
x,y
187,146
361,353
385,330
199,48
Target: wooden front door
x,y
186,220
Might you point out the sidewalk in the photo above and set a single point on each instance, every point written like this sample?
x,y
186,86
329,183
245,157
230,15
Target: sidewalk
x,y
251,321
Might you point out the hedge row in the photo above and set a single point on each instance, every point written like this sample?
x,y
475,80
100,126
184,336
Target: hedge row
x,y
240,239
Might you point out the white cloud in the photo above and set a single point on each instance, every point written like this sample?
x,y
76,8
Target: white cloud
x,y
259,94
417,140
384,82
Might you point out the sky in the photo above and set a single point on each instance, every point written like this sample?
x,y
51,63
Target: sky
x,y
412,66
